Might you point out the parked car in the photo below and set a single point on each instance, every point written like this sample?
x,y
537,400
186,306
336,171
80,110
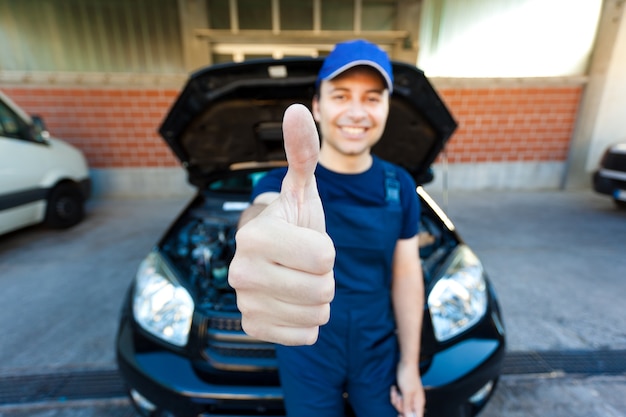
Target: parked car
x,y
610,177
42,179
180,346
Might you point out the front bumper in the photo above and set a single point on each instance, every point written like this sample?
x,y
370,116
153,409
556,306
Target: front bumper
x,y
169,381
609,182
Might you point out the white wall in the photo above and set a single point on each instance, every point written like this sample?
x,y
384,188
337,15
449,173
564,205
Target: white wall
x,y
140,182
610,123
497,176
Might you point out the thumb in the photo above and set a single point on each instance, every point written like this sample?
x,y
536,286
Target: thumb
x,y
302,147
301,201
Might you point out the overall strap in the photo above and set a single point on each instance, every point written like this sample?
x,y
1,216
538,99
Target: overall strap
x,y
392,184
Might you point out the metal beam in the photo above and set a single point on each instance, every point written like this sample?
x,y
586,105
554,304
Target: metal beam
x,y
297,36
193,15
612,19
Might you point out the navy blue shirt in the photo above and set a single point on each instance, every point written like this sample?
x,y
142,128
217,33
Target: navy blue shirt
x,y
365,189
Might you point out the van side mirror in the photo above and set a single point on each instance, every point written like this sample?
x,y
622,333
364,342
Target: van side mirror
x,y
40,130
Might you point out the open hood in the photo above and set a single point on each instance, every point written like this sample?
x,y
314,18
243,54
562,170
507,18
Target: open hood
x,y
231,113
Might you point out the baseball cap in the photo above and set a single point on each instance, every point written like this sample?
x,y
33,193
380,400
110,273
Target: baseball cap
x,y
352,53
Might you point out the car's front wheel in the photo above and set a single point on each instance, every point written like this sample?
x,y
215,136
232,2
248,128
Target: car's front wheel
x,y
65,206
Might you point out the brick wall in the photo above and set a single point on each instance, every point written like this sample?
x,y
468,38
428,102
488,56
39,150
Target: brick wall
x,y
507,124
116,127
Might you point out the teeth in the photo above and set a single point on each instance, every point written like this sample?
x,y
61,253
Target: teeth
x,y
353,130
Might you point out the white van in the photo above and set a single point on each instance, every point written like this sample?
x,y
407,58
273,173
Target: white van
x,y
42,179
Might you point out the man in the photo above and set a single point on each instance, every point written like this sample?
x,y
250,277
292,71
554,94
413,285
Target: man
x,y
334,244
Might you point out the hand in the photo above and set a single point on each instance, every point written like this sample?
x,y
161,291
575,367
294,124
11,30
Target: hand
x,y
282,270
409,399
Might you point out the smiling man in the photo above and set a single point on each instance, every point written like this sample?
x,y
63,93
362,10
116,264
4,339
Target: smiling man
x,y
327,261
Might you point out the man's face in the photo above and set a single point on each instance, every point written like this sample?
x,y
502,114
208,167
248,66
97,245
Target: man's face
x,y
352,110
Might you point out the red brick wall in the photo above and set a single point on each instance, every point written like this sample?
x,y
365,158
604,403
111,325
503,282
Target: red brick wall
x,y
512,124
117,127
113,127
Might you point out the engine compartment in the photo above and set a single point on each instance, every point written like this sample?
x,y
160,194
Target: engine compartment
x,y
201,245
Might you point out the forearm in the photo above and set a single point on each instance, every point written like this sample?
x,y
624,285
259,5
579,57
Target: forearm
x,y
407,294
408,302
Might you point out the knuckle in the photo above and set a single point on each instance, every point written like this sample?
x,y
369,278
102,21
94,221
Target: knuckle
x,y
248,326
234,277
238,277
324,315
310,336
244,309
328,289
241,236
327,257
250,236
256,329
323,260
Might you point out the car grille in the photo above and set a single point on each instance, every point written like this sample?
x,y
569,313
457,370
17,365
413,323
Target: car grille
x,y
232,324
261,352
227,347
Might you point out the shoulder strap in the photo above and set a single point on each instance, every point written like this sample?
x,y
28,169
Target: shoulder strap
x,y
392,184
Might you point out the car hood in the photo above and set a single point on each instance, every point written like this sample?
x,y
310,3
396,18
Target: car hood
x,y
230,114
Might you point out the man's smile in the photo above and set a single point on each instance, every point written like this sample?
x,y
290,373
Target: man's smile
x,y
353,131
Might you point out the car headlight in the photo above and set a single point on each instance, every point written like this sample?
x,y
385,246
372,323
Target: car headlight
x,y
160,305
459,298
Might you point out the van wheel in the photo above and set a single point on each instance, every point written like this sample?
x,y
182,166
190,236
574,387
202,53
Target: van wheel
x,y
65,207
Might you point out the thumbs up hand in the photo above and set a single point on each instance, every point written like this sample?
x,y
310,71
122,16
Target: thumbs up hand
x,y
282,270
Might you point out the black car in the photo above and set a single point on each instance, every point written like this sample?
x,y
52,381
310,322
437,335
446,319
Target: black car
x,y
180,346
610,177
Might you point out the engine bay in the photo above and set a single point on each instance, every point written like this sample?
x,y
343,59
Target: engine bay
x,y
201,246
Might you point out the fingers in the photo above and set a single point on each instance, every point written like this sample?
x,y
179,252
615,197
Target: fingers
x,y
291,316
396,398
283,286
287,308
302,146
407,405
288,245
284,279
284,316
287,336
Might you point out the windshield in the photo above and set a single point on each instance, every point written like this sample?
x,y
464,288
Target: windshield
x,y
238,182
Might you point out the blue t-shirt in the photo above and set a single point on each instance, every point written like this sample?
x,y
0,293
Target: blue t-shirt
x,y
366,189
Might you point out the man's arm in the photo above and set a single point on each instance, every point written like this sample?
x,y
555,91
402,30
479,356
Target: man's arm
x,y
407,294
282,269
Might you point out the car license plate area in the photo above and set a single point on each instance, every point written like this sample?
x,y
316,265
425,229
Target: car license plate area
x,y
619,195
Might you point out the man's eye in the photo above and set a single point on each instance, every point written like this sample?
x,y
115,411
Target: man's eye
x,y
373,99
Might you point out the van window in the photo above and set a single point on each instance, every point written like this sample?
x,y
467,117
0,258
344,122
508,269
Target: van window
x,y
10,124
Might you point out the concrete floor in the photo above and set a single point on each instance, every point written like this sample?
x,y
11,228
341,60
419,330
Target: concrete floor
x,y
556,259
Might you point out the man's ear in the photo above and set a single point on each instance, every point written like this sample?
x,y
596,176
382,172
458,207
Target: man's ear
x,y
316,108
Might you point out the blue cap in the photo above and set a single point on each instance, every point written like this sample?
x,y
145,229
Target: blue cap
x,y
350,54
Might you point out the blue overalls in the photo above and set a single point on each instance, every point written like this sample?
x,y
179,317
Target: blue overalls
x,y
356,352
